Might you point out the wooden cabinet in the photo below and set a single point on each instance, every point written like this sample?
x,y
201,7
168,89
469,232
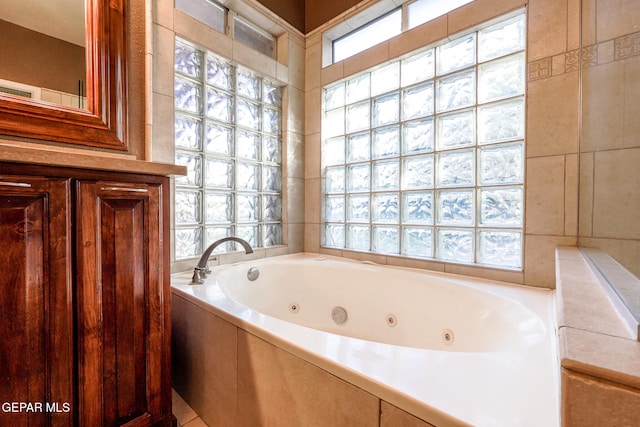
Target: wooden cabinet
x,y
84,297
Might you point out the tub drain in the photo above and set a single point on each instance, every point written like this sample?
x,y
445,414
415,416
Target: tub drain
x,y
447,337
294,307
339,315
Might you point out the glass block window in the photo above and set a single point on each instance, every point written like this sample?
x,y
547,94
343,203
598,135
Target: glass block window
x,y
228,126
424,156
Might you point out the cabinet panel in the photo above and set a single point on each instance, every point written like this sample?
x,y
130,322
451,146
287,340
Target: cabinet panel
x,y
37,355
120,303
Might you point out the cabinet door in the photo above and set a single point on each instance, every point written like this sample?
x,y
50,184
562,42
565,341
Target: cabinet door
x,y
36,303
122,313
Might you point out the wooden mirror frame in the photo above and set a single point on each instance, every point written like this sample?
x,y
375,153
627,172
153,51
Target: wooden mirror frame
x,y
104,123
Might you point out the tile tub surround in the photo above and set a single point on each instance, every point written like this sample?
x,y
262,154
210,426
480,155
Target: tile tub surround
x,y
599,352
266,367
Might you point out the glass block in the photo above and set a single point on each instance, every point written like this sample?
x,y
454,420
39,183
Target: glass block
x,y
219,72
271,151
417,68
501,248
333,151
385,109
187,60
358,177
456,54
358,147
218,208
271,121
417,101
386,239
501,207
456,130
417,241
333,123
219,139
334,179
271,178
272,234
334,96
187,95
193,162
334,235
219,105
247,114
358,237
502,164
247,144
417,172
455,168
386,175
188,242
385,142
503,38
455,245
456,207
248,233
188,131
385,208
358,208
247,176
503,121
217,233
358,88
271,94
334,208
247,84
248,207
417,136
456,91
385,79
501,78
219,173
272,208
417,207
187,207
358,117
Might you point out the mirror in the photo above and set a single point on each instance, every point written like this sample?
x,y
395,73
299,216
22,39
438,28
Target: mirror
x,y
80,75
609,180
43,45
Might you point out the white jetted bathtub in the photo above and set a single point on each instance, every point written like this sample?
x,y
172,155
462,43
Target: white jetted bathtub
x,y
447,349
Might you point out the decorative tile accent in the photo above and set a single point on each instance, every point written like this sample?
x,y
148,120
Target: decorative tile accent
x,y
572,61
590,56
627,46
539,69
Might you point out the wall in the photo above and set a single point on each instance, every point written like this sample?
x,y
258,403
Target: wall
x,y
551,195
288,69
610,136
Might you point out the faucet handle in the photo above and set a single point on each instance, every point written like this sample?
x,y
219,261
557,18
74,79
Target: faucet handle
x,y
196,279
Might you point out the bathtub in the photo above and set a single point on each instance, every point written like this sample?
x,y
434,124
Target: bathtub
x,y
446,349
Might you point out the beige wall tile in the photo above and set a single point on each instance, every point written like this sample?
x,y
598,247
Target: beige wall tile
x,y
547,28
295,200
311,237
162,13
248,57
294,155
479,11
603,94
422,35
616,18
631,131
332,73
573,24
313,66
277,388
391,416
545,194
312,200
369,58
571,195
552,116
204,361
585,198
486,273
295,238
163,57
200,33
295,110
312,156
615,213
539,259
312,113
163,129
297,58
624,251
588,22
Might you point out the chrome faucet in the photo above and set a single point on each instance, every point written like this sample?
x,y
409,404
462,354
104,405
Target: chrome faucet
x,y
201,270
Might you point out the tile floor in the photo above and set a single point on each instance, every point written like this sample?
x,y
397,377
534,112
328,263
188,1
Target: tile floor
x,y
186,416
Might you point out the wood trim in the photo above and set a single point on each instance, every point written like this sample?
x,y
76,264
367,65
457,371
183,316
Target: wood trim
x,y
104,123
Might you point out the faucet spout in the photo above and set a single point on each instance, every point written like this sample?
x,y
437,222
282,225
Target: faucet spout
x,y
201,269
